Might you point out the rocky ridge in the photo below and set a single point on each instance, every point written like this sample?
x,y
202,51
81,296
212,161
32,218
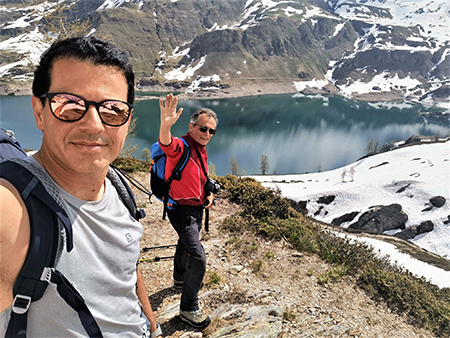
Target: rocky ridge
x,y
220,46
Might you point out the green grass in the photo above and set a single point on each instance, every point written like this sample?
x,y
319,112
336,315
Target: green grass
x,y
130,164
266,213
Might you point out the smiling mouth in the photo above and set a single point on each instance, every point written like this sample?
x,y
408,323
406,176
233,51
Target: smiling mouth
x,y
89,146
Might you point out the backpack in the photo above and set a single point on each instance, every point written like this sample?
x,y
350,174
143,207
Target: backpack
x,y
9,146
159,186
47,220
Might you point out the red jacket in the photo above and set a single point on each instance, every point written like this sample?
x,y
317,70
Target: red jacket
x,y
190,189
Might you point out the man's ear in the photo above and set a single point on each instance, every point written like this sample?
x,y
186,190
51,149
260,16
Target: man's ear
x,y
191,127
38,111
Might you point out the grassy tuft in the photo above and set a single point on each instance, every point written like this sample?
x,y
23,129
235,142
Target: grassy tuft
x,y
212,278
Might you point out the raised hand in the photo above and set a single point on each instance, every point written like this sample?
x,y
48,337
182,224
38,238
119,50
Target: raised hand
x,y
169,113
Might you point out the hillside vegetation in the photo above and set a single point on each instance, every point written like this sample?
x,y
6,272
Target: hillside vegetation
x,y
268,214
265,214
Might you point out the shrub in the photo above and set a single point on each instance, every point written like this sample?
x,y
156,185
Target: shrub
x,y
212,278
405,294
130,164
256,265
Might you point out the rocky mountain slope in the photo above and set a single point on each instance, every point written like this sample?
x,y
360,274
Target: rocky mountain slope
x,y
381,48
256,287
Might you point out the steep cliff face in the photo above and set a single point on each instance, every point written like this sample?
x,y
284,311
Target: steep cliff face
x,y
386,44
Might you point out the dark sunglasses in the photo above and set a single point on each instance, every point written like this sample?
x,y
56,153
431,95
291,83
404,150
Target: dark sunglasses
x,y
70,108
204,129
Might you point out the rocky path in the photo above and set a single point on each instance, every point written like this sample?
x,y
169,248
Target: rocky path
x,y
260,288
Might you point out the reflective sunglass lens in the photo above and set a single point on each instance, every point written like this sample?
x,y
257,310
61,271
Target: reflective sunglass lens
x,y
204,129
71,108
114,112
67,107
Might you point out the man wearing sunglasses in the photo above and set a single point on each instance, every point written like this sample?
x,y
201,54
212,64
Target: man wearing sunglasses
x,y
191,197
83,93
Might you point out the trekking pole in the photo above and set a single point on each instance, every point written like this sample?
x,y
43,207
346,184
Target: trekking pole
x,y
158,247
138,185
206,220
154,259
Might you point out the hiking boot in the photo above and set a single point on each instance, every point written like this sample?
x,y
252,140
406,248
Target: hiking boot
x,y
195,318
177,285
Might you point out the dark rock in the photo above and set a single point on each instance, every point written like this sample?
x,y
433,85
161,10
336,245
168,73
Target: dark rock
x,y
413,139
344,218
326,199
379,165
402,189
299,206
447,221
437,201
413,231
382,218
304,75
426,226
427,208
318,211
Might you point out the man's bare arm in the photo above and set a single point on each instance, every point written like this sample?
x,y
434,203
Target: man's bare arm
x,y
145,302
14,240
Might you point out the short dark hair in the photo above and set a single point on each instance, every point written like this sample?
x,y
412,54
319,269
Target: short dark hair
x,y
89,49
209,112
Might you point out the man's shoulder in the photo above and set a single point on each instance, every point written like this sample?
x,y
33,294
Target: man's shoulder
x,y
175,147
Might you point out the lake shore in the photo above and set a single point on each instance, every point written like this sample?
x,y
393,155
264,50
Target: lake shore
x,y
238,90
234,91
256,89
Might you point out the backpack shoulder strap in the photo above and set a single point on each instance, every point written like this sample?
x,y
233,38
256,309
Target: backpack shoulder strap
x,y
9,146
117,178
46,217
176,172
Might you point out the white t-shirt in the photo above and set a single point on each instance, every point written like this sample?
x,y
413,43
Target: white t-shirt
x,y
102,266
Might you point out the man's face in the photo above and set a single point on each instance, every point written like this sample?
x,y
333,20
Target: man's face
x,y
203,121
86,146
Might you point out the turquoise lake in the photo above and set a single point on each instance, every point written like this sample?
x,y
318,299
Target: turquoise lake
x,y
298,133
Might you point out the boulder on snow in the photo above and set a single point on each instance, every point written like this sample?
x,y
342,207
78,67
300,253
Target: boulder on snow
x,y
437,201
381,218
344,218
413,231
326,199
447,221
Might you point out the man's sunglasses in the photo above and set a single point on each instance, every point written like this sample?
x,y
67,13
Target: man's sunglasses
x,y
204,129
70,108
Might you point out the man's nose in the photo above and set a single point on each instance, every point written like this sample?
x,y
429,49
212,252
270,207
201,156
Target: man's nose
x,y
92,119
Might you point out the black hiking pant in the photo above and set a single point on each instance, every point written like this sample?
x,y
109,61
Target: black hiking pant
x,y
190,257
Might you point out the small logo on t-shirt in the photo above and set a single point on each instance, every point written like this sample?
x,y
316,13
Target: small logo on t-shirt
x,y
129,237
130,240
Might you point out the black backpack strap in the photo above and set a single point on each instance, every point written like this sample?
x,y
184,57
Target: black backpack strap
x,y
17,327
117,178
37,270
